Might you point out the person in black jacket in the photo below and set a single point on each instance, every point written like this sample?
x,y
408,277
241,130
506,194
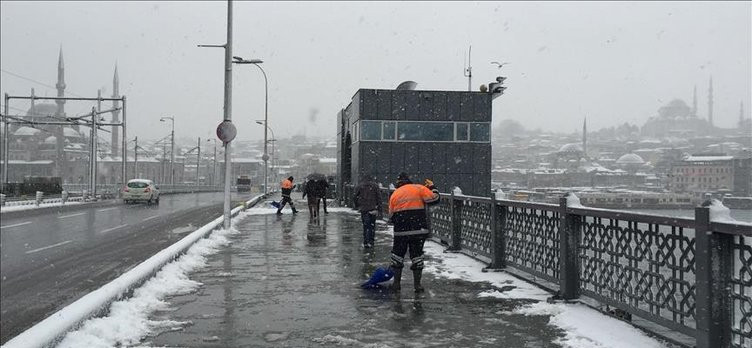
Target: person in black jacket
x,y
312,190
367,199
323,186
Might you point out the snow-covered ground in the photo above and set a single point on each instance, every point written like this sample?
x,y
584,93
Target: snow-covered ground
x,y
584,327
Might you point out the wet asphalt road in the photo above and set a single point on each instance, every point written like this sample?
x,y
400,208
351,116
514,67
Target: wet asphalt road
x,y
48,260
290,282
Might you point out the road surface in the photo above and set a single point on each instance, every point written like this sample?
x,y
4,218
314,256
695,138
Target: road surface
x,y
50,259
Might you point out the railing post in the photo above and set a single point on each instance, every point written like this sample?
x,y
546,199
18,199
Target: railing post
x,y
498,235
456,210
713,257
569,234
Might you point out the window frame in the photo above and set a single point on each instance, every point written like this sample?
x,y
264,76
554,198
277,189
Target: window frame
x,y
357,128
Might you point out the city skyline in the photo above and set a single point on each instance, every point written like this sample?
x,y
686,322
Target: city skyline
x,y
561,68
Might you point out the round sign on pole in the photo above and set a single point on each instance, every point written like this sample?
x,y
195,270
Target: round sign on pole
x,y
265,157
226,131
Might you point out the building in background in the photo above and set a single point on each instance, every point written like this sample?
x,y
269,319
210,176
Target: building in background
x,y
441,135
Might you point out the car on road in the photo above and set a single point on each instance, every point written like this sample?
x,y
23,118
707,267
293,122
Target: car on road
x,y
141,190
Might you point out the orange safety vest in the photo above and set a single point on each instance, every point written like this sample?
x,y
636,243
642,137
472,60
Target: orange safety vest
x,y
286,184
411,197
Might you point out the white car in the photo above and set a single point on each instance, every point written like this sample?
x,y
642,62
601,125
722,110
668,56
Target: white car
x,y
141,190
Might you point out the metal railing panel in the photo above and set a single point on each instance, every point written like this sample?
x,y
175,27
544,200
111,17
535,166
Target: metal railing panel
x,y
532,237
475,222
646,266
741,292
441,219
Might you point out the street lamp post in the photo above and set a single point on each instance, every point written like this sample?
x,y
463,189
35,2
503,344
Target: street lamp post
x,y
227,113
172,147
265,157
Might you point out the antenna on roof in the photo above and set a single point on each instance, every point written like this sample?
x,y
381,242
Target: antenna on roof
x,y
469,70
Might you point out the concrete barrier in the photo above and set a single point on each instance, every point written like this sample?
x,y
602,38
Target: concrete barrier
x,y
52,329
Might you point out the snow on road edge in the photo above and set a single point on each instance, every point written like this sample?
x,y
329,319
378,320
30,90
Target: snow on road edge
x,y
128,320
583,326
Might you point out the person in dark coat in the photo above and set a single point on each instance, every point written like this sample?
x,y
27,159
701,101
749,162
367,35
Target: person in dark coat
x,y
323,186
367,199
312,190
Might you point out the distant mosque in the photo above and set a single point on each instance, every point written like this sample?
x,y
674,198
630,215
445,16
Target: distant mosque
x,y
677,119
60,146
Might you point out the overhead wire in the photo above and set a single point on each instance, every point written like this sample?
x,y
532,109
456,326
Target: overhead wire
x,y
37,82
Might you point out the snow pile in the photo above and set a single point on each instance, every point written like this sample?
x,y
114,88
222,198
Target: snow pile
x,y
128,320
582,326
337,340
585,327
457,191
573,201
719,212
499,194
7,209
458,266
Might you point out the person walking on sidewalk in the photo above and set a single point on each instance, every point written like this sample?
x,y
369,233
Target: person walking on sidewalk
x,y
407,206
368,201
286,186
311,190
322,186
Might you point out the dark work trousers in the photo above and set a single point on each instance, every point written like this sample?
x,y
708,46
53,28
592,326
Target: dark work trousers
x,y
400,247
369,227
286,200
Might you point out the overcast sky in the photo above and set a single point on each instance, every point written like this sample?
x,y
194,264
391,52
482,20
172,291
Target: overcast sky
x,y
610,61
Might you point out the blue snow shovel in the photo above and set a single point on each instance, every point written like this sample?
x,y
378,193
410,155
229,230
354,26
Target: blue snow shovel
x,y
379,275
275,204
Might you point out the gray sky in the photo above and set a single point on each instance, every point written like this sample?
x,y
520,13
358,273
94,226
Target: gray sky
x,y
610,61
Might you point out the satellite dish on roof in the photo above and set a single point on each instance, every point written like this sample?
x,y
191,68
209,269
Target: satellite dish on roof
x,y
407,85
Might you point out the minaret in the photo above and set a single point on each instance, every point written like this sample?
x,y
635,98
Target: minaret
x,y
60,85
60,112
710,103
115,114
584,137
694,102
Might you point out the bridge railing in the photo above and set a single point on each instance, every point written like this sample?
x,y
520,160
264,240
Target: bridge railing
x,y
693,276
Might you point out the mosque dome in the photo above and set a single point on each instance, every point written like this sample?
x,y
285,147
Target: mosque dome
x,y
26,131
630,158
70,132
571,148
43,110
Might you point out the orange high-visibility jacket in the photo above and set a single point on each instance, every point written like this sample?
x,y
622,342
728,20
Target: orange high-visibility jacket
x,y
286,184
411,197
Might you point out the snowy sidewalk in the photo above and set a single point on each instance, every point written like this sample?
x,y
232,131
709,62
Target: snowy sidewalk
x,y
286,281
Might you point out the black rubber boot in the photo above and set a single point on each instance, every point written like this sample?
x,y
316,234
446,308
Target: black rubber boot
x,y
397,285
417,274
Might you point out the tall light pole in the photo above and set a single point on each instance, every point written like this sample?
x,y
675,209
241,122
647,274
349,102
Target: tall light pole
x,y
172,147
265,157
227,112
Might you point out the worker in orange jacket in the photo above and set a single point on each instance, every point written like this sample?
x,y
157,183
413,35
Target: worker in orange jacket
x,y
407,206
286,187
